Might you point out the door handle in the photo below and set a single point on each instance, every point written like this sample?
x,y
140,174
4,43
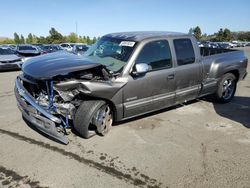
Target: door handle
x,y
170,77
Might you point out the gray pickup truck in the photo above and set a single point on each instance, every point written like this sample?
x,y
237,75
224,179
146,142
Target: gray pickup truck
x,y
122,76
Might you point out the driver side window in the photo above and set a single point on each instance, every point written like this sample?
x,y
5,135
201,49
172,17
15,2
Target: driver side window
x,y
156,54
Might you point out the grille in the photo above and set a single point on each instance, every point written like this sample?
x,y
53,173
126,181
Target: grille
x,y
11,61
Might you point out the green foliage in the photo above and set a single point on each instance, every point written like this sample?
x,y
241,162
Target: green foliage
x,y
7,41
22,40
191,31
29,39
35,38
227,35
55,37
223,35
72,37
94,40
88,40
16,38
197,32
244,36
42,40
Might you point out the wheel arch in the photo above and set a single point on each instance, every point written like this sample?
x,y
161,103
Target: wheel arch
x,y
110,102
235,72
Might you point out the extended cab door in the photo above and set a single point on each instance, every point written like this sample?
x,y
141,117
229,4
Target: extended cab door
x,y
155,89
188,70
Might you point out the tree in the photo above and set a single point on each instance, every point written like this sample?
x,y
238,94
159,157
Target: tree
x,y
35,38
88,40
204,37
219,35
7,41
42,40
197,32
244,36
94,40
227,35
72,37
191,31
16,38
224,35
29,39
22,40
55,36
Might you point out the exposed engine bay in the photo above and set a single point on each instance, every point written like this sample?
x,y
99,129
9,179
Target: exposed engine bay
x,y
62,95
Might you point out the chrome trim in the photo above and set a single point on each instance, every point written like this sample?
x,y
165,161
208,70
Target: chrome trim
x,y
188,90
25,94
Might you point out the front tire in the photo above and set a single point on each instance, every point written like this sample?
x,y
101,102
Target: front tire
x,y
93,116
226,88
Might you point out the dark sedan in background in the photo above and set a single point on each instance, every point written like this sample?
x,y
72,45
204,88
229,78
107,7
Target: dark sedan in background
x,y
80,49
28,50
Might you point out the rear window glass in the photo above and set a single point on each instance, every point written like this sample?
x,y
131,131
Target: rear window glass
x,y
184,51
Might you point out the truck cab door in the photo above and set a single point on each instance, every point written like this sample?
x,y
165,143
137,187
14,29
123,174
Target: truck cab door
x,y
154,89
188,70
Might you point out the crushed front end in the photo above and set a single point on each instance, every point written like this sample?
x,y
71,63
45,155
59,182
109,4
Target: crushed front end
x,y
43,107
50,104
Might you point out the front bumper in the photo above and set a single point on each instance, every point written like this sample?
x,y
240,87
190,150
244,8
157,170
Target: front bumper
x,y
37,115
10,66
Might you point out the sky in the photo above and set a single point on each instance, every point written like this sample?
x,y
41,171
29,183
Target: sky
x,y
99,17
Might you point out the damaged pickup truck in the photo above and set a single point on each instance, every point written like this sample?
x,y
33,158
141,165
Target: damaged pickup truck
x,y
122,76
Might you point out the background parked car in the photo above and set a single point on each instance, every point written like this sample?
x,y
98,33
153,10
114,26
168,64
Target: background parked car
x,y
67,46
224,45
9,60
80,49
28,50
52,48
40,48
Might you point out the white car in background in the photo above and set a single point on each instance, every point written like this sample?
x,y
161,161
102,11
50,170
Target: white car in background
x,y
67,46
9,60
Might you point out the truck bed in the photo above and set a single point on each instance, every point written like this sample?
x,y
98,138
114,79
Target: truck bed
x,y
205,51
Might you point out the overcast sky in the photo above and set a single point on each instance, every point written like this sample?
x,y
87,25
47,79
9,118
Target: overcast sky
x,y
98,17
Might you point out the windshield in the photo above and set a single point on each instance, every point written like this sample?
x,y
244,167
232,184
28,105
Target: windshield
x,y
111,52
6,51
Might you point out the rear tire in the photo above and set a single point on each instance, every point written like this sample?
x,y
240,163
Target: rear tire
x,y
226,88
93,113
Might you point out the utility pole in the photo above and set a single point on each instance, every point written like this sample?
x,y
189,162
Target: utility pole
x,y
76,30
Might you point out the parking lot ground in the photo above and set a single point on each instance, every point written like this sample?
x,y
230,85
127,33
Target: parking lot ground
x,y
199,144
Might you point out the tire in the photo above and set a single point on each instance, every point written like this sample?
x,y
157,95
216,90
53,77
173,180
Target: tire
x,y
84,118
226,88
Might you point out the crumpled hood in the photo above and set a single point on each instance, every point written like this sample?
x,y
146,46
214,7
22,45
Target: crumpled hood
x,y
11,57
58,63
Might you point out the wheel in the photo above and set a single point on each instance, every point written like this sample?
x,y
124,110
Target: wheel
x,y
93,116
226,88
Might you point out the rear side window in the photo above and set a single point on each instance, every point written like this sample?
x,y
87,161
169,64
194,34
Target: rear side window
x,y
184,51
156,54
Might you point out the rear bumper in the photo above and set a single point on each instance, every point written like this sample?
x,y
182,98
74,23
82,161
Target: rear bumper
x,y
36,115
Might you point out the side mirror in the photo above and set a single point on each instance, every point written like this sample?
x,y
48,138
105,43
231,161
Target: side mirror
x,y
141,68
